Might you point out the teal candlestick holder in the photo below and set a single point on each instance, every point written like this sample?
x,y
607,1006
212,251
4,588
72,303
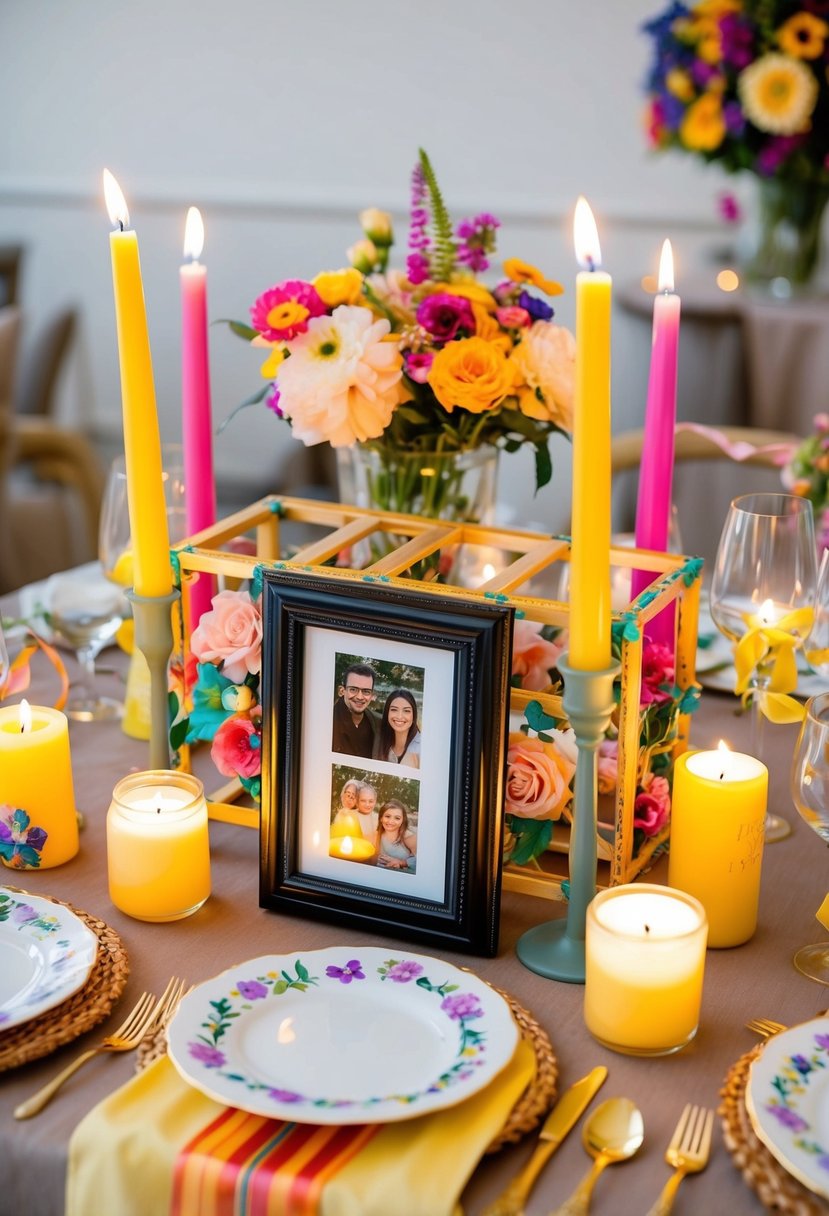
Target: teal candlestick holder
x,y
154,638
556,948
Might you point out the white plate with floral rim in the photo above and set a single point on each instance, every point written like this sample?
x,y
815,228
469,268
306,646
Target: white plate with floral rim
x,y
787,1098
352,1034
46,954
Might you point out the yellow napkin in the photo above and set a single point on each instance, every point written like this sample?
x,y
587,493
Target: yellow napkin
x,y
822,913
124,1151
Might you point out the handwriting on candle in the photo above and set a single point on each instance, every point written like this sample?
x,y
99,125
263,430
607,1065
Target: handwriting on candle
x,y
751,835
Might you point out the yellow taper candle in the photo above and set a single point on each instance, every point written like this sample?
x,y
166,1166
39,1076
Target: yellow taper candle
x,y
717,813
158,850
38,821
142,445
645,958
590,557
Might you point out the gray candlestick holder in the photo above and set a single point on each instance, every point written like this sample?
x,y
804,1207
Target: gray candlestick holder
x,y
154,638
556,948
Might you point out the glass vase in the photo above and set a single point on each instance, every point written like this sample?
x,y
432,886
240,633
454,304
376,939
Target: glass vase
x,y
787,251
457,486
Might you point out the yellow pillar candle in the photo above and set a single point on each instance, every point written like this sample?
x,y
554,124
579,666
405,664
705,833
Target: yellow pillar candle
x,y
38,821
158,850
645,958
718,809
590,555
142,445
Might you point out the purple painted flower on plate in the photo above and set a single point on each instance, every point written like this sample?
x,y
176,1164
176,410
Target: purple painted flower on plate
x,y
351,971
464,1005
209,1056
403,972
788,1118
284,1095
252,990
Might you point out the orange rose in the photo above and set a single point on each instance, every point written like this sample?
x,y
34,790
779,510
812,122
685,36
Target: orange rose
x,y
471,374
538,778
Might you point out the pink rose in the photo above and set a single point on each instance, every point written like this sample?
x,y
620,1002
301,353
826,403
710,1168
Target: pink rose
x,y
538,778
653,805
608,766
230,634
657,668
512,317
236,750
533,655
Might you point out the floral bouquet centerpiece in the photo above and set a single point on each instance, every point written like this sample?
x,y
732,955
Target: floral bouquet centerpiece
x,y
744,83
807,475
418,373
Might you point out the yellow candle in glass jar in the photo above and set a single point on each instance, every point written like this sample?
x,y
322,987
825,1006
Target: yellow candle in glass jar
x,y
158,849
38,820
717,814
645,958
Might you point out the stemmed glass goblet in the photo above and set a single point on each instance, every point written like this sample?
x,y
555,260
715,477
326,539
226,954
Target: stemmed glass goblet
x,y
816,648
765,571
86,611
810,793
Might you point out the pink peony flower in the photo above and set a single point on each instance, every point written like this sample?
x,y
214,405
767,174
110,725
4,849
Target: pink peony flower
x,y
538,778
608,766
283,311
236,749
512,317
653,805
533,655
657,668
230,634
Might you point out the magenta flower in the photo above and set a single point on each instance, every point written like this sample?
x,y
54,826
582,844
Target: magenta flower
x,y
417,263
418,365
462,1007
512,317
477,237
729,208
237,748
272,401
252,990
209,1056
442,315
403,972
284,311
351,971
652,806
657,673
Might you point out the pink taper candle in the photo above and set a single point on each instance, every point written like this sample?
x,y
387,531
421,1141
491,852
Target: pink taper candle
x,y
653,505
200,488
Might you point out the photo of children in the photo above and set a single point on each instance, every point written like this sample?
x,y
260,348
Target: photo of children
x,y
377,711
383,809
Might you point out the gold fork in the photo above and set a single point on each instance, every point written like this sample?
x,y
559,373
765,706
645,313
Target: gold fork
x,y
688,1153
765,1027
140,1021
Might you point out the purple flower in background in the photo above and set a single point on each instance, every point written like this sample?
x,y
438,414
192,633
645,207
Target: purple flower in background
x,y
539,310
777,150
463,1006
284,1095
403,972
418,365
417,263
702,72
209,1056
272,401
442,315
477,237
788,1118
822,1041
735,121
351,971
23,913
737,41
252,990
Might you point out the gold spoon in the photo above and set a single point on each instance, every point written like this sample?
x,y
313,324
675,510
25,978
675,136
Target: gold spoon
x,y
613,1132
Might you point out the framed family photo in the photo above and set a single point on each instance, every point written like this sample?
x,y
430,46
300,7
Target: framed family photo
x,y
385,715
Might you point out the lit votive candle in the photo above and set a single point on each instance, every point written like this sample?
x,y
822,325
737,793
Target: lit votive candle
x,y
158,850
645,957
37,799
717,814
350,848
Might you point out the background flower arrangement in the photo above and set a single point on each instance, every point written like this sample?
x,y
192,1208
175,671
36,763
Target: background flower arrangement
x,y
429,360
808,475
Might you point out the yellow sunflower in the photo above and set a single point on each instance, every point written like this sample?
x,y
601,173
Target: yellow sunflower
x,y
703,127
778,94
803,36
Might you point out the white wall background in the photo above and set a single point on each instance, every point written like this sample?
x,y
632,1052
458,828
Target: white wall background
x,y
281,121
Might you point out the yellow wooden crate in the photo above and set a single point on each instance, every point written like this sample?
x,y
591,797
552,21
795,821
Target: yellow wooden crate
x,y
521,558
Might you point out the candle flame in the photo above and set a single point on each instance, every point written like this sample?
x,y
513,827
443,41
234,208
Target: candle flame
x,y
723,748
586,236
347,845
666,267
24,710
115,201
193,234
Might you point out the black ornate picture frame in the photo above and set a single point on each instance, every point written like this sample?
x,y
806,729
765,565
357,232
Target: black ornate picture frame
x,y
395,832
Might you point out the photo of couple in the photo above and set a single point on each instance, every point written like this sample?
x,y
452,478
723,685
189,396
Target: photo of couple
x,y
383,809
391,734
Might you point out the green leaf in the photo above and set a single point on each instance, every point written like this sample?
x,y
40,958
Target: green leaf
x,y
178,733
279,987
301,970
537,718
543,465
254,399
238,327
532,836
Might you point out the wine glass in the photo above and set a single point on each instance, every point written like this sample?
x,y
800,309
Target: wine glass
x,y
816,648
764,571
810,792
85,611
114,540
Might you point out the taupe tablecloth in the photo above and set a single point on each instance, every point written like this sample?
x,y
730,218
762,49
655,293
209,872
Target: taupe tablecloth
x,y
756,979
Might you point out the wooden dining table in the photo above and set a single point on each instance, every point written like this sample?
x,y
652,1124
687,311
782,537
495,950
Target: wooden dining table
x,y
756,979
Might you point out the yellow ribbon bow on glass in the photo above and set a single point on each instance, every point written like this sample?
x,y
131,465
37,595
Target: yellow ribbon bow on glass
x,y
770,648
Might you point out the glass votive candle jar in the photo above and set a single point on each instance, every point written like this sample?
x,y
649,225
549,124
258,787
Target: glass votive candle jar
x,y
158,849
645,958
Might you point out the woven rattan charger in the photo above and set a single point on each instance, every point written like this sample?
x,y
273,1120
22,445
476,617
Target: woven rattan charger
x,y
528,1111
776,1188
78,1013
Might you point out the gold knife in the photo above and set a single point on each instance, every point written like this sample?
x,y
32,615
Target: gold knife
x,y
561,1119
